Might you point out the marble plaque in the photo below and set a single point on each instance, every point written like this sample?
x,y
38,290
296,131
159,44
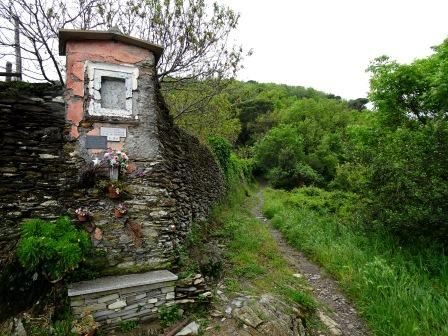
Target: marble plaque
x,y
113,133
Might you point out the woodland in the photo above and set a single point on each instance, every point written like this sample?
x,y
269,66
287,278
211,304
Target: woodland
x,y
360,190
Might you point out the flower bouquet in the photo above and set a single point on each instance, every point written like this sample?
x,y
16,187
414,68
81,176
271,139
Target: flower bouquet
x,y
116,160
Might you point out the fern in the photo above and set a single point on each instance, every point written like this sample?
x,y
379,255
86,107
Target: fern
x,y
54,249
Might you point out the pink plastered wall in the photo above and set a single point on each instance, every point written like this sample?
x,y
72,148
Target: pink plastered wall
x,y
78,52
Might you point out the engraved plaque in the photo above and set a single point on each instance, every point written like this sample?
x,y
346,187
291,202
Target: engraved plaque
x,y
96,142
113,133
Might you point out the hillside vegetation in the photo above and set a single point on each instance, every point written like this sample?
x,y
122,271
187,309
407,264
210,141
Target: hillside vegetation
x,y
363,192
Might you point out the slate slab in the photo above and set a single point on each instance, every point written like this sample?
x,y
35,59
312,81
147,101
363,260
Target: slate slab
x,y
119,282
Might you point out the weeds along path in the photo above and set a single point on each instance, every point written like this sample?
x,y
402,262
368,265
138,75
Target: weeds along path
x,y
324,287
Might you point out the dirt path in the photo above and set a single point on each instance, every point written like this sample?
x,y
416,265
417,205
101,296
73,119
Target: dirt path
x,y
324,287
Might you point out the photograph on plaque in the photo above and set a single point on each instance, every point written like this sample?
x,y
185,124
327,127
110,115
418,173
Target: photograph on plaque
x,y
96,142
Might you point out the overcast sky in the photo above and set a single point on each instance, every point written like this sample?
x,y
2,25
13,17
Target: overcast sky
x,y
328,44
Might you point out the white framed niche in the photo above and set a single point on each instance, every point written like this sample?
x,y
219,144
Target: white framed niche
x,y
112,90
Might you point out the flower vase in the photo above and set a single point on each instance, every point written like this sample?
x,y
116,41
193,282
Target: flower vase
x,y
118,213
113,191
83,217
113,173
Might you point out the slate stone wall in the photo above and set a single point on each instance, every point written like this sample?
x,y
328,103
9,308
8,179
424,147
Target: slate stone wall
x,y
195,180
43,174
35,169
125,300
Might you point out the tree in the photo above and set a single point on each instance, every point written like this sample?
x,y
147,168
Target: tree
x,y
194,34
412,93
399,161
358,104
258,103
280,156
215,117
322,124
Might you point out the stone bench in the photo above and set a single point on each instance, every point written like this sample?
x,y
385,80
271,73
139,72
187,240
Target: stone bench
x,y
121,298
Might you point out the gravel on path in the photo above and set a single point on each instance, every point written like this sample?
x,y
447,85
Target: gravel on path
x,y
325,288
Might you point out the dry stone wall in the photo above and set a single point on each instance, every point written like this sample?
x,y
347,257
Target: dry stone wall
x,y
35,169
43,174
111,300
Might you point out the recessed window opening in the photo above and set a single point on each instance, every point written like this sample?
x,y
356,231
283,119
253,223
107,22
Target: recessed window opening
x,y
113,93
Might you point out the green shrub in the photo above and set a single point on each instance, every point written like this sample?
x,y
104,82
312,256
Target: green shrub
x,y
280,157
54,249
222,150
126,326
338,202
169,315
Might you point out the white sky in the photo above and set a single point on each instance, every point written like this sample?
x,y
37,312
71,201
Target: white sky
x,y
328,44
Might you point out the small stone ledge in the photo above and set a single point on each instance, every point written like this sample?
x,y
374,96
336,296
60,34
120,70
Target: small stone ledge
x,y
111,300
118,282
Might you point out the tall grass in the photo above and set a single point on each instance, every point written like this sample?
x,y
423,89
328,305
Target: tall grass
x,y
400,291
254,264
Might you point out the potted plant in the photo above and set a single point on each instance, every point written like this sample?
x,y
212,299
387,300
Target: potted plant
x,y
113,191
130,168
116,160
120,210
83,214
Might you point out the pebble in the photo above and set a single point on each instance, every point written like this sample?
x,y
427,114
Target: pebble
x,y
190,329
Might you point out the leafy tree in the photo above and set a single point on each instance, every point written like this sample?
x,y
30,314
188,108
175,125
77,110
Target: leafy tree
x,y
213,117
358,104
411,93
194,33
398,161
322,124
280,156
258,104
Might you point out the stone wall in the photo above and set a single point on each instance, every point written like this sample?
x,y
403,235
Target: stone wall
x,y
35,170
44,173
195,180
111,300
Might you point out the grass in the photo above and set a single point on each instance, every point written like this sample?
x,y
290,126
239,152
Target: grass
x,y
400,291
255,265
126,326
